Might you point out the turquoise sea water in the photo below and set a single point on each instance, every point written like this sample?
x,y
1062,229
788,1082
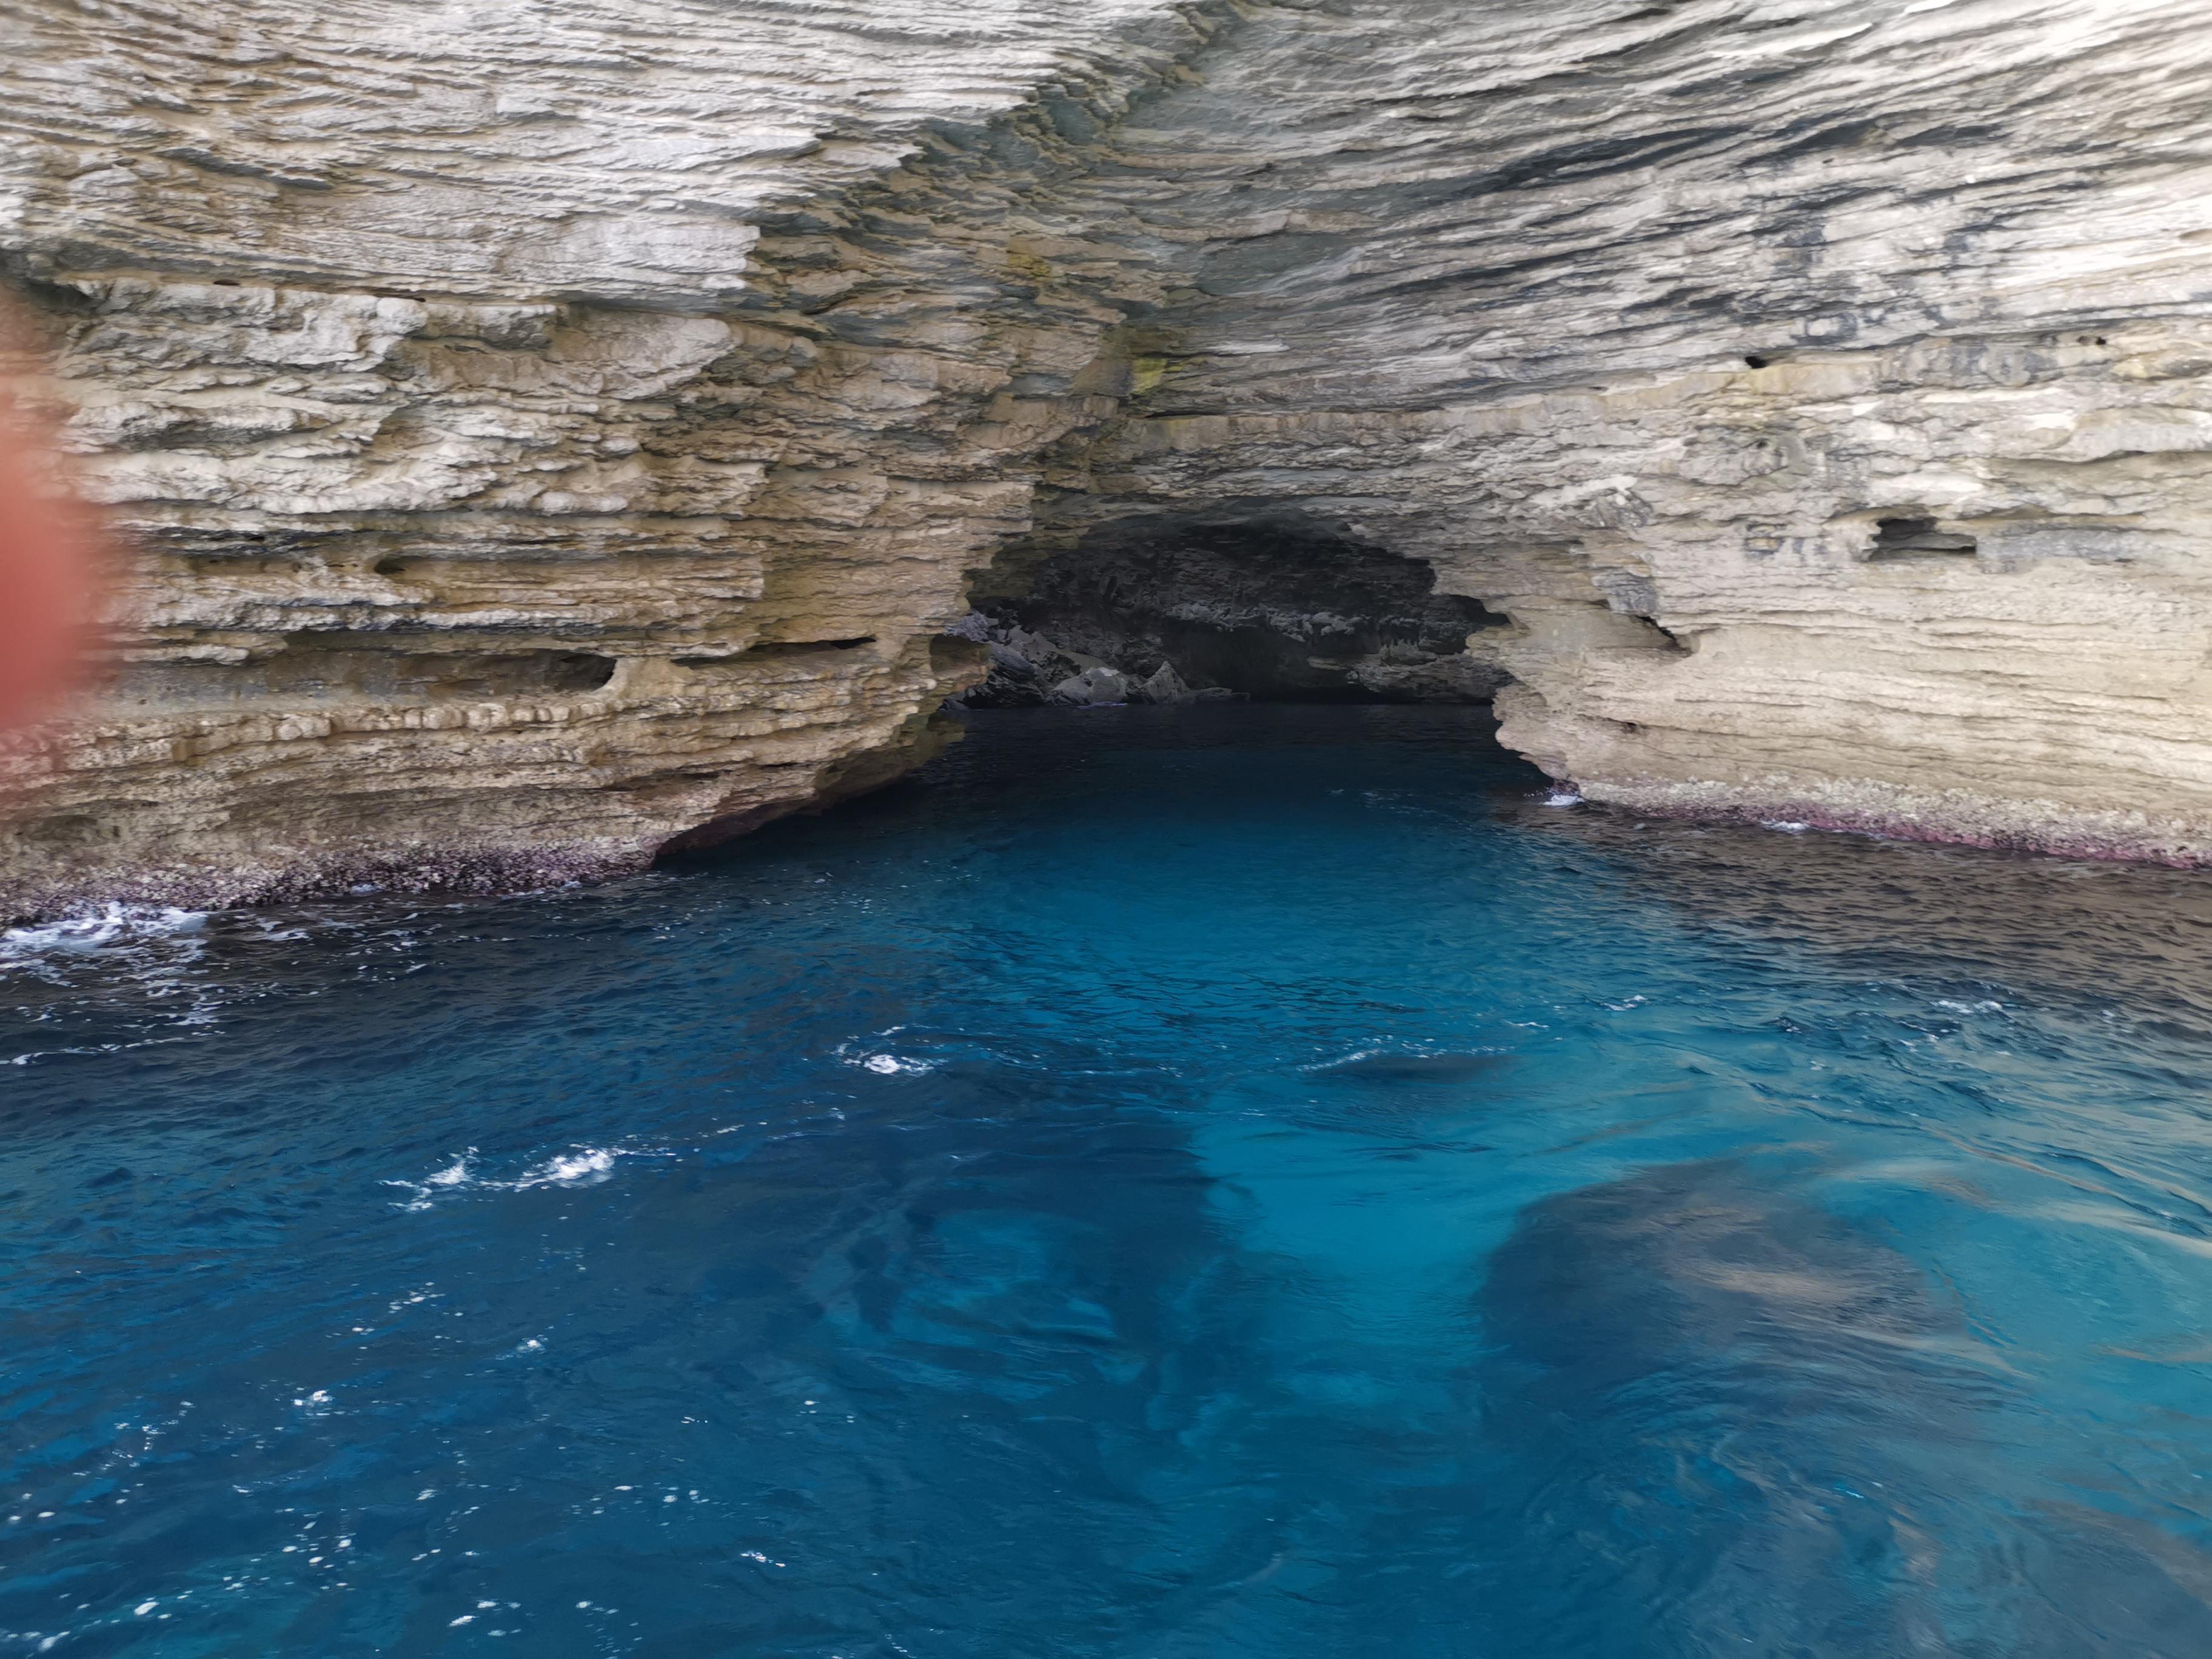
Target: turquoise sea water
x,y
1222,1182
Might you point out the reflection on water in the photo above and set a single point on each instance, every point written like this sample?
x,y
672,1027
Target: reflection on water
x,y
1166,1183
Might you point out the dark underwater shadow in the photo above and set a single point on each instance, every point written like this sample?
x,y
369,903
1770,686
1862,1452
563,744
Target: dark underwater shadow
x,y
1390,1069
1734,1422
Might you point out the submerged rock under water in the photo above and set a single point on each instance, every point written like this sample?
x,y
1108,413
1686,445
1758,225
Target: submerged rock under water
x,y
1831,1448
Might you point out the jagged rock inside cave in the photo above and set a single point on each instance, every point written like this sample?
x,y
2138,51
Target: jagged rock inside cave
x,y
538,441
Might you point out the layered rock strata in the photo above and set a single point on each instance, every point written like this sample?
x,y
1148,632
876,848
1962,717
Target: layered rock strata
x,y
535,436
1820,390
542,438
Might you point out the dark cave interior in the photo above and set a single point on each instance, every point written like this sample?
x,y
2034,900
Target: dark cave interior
x,y
1272,607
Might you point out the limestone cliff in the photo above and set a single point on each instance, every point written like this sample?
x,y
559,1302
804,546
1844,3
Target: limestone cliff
x,y
541,433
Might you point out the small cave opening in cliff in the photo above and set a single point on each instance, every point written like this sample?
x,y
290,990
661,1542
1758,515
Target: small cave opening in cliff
x,y
1275,608
774,650
1915,537
803,647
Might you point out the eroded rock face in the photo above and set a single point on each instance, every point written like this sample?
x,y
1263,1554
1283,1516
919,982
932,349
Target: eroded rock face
x,y
542,436
539,433
1639,323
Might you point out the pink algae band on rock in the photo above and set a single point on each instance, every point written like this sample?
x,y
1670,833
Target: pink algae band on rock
x,y
461,871
2062,836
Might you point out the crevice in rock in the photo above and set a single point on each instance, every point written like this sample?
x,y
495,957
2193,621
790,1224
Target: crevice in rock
x,y
581,670
1913,537
772,649
312,669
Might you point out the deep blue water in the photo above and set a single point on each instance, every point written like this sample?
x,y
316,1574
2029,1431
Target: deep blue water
x,y
1166,1183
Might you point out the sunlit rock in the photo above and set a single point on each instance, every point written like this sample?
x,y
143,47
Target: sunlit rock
x,y
539,439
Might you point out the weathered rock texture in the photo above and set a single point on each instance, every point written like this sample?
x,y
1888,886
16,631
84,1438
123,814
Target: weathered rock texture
x,y
546,431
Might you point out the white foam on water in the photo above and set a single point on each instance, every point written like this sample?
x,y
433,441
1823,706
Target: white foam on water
x,y
1352,1058
1563,797
586,1166
893,1065
580,1166
459,1173
882,1061
1787,826
155,953
116,924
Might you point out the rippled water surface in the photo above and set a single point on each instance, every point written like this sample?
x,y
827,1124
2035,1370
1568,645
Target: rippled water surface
x,y
1167,1183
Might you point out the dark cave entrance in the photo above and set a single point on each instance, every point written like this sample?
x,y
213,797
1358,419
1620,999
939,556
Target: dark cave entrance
x,y
1277,608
